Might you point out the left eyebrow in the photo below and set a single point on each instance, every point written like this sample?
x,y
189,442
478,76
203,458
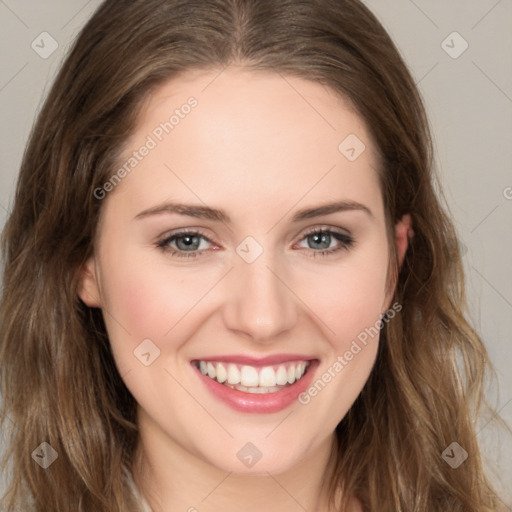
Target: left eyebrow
x,y
326,209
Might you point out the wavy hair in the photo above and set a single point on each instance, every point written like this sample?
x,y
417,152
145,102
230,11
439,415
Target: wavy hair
x,y
59,382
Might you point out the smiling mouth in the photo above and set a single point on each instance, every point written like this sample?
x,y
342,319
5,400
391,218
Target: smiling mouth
x,y
254,379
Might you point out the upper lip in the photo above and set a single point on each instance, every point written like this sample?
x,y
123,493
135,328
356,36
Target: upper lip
x,y
256,361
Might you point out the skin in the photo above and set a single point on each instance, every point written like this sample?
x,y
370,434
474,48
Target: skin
x,y
260,147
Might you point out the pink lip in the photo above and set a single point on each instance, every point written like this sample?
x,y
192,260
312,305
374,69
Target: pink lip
x,y
257,361
256,403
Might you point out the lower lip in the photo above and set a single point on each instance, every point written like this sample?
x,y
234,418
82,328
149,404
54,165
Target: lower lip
x,y
259,403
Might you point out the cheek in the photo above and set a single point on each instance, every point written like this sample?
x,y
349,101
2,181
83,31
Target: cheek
x,y
349,305
135,301
349,297
148,299
133,297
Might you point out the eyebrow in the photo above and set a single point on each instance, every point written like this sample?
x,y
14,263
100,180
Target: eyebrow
x,y
208,213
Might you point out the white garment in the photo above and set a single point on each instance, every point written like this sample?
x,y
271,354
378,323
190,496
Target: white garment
x,y
144,506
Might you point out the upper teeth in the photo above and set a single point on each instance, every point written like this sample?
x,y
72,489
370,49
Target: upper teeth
x,y
252,376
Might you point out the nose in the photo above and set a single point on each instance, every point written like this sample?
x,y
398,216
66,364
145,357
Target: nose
x,y
259,303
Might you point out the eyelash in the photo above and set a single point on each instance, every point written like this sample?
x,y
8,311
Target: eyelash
x,y
346,242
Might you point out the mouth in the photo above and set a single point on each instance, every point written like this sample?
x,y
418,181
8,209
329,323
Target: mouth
x,y
254,379
256,386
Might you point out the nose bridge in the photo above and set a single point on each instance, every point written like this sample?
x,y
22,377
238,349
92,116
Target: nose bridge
x,y
258,303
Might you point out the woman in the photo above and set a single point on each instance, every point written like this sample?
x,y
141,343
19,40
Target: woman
x,y
228,280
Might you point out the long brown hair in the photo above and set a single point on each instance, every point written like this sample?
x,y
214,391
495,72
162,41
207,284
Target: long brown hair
x,y
59,381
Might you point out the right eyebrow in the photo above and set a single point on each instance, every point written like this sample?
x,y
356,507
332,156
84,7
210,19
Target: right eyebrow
x,y
201,212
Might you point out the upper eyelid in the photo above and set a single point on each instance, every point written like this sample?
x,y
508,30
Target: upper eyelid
x,y
183,232
341,231
197,231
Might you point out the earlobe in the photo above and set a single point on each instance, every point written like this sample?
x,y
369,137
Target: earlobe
x,y
88,289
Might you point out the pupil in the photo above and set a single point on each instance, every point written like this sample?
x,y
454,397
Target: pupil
x,y
319,238
188,241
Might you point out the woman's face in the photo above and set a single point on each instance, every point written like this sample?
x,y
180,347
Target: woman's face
x,y
252,278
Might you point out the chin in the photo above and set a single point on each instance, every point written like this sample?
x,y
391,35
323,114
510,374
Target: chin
x,y
255,458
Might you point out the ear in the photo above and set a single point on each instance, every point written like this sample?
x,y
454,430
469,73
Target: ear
x,y
88,287
403,232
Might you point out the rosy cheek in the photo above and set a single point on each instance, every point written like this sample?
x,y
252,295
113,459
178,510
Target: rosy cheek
x,y
140,305
150,297
349,300
127,295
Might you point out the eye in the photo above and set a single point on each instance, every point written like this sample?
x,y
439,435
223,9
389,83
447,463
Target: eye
x,y
325,242
184,244
190,244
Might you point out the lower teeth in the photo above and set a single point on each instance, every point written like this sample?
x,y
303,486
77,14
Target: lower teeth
x,y
258,390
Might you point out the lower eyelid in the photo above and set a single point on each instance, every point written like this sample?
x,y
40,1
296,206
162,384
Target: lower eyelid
x,y
345,241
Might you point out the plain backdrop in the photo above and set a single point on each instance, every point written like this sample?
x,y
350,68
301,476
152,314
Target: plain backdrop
x,y
460,53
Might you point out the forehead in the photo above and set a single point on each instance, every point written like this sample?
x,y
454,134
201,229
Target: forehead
x,y
263,103
221,134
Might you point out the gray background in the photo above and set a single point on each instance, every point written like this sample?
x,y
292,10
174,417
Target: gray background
x,y
469,101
